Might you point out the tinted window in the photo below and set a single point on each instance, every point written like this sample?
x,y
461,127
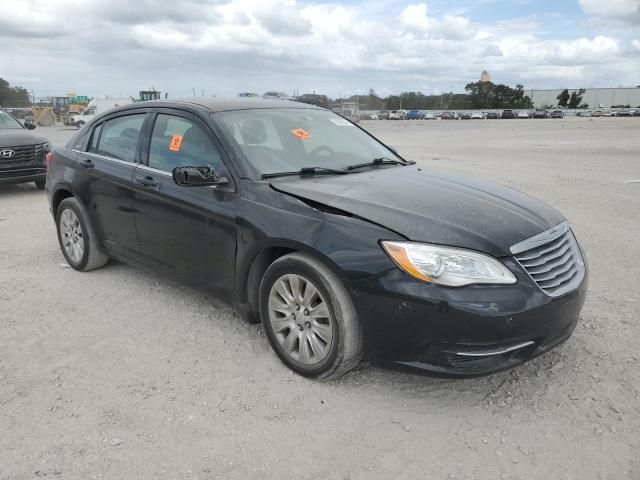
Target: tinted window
x,y
7,121
95,136
119,137
280,140
180,142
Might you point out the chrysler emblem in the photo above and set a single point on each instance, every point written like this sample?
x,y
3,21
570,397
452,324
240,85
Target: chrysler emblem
x,y
6,153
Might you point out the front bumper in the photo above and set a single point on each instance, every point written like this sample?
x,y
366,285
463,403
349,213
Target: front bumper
x,y
413,325
23,175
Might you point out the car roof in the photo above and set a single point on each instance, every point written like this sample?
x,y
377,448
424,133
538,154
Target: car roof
x,y
224,104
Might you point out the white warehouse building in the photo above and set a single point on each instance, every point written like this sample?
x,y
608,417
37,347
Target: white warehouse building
x,y
594,97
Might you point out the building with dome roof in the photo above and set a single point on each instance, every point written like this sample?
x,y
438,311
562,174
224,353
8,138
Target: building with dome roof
x,y
485,77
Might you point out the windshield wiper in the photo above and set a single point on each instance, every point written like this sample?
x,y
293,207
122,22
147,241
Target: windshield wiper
x,y
306,171
380,161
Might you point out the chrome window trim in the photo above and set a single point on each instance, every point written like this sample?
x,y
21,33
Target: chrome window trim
x,y
154,170
104,157
224,188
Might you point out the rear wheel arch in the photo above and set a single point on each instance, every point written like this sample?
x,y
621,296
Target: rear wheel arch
x,y
58,197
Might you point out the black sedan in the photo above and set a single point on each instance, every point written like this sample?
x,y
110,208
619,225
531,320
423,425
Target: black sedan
x,y
308,223
22,154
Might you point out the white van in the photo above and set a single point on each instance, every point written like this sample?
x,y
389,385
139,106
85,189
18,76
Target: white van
x,y
96,107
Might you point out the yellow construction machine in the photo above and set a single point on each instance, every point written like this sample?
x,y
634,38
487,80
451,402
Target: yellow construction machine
x,y
59,109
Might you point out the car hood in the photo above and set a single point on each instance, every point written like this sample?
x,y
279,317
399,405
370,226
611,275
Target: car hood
x,y
433,207
18,138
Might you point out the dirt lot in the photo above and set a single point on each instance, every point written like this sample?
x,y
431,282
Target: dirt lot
x,y
115,374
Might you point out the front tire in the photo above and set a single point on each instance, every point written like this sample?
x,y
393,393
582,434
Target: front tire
x,y
77,238
309,318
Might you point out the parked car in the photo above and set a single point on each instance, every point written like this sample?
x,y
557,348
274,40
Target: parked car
x,y
22,154
540,113
448,115
596,113
395,115
491,116
508,114
465,116
277,209
248,95
314,99
383,115
583,113
429,116
276,96
415,115
522,114
557,114
369,116
96,107
477,116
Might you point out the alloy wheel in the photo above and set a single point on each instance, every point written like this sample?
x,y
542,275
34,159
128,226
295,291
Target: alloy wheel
x,y
71,235
300,319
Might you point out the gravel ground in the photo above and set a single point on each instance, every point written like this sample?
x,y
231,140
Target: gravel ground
x,y
117,374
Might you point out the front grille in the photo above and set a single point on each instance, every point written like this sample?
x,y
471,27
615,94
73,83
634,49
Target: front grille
x,y
552,259
29,155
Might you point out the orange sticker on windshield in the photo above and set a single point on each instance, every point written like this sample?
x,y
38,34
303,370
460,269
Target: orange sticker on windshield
x,y
301,134
176,143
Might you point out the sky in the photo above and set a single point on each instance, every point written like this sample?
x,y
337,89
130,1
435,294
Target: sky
x,y
222,47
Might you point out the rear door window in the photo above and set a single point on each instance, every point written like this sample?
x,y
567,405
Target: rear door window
x,y
95,136
119,137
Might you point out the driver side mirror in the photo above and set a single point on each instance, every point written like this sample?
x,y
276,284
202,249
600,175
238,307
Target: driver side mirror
x,y
197,177
29,125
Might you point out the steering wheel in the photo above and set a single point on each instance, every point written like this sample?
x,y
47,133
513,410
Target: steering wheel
x,y
322,148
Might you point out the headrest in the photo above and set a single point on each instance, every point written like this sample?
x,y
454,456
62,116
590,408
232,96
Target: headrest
x,y
253,132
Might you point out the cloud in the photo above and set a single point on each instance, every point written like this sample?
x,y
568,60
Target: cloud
x,y
414,18
626,10
225,46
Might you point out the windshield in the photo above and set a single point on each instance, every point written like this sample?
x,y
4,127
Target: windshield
x,y
7,121
285,140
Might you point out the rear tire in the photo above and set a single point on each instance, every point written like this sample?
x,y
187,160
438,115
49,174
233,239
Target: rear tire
x,y
79,124
312,343
40,184
77,238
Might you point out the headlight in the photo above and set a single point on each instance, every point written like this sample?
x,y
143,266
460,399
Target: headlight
x,y
449,266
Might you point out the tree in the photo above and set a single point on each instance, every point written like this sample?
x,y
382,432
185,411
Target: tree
x,y
491,95
563,98
576,98
481,94
374,102
13,96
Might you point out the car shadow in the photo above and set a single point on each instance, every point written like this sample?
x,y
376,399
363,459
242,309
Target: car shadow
x,y
523,386
19,188
520,387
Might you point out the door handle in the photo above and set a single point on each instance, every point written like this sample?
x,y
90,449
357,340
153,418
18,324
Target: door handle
x,y
87,163
146,181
